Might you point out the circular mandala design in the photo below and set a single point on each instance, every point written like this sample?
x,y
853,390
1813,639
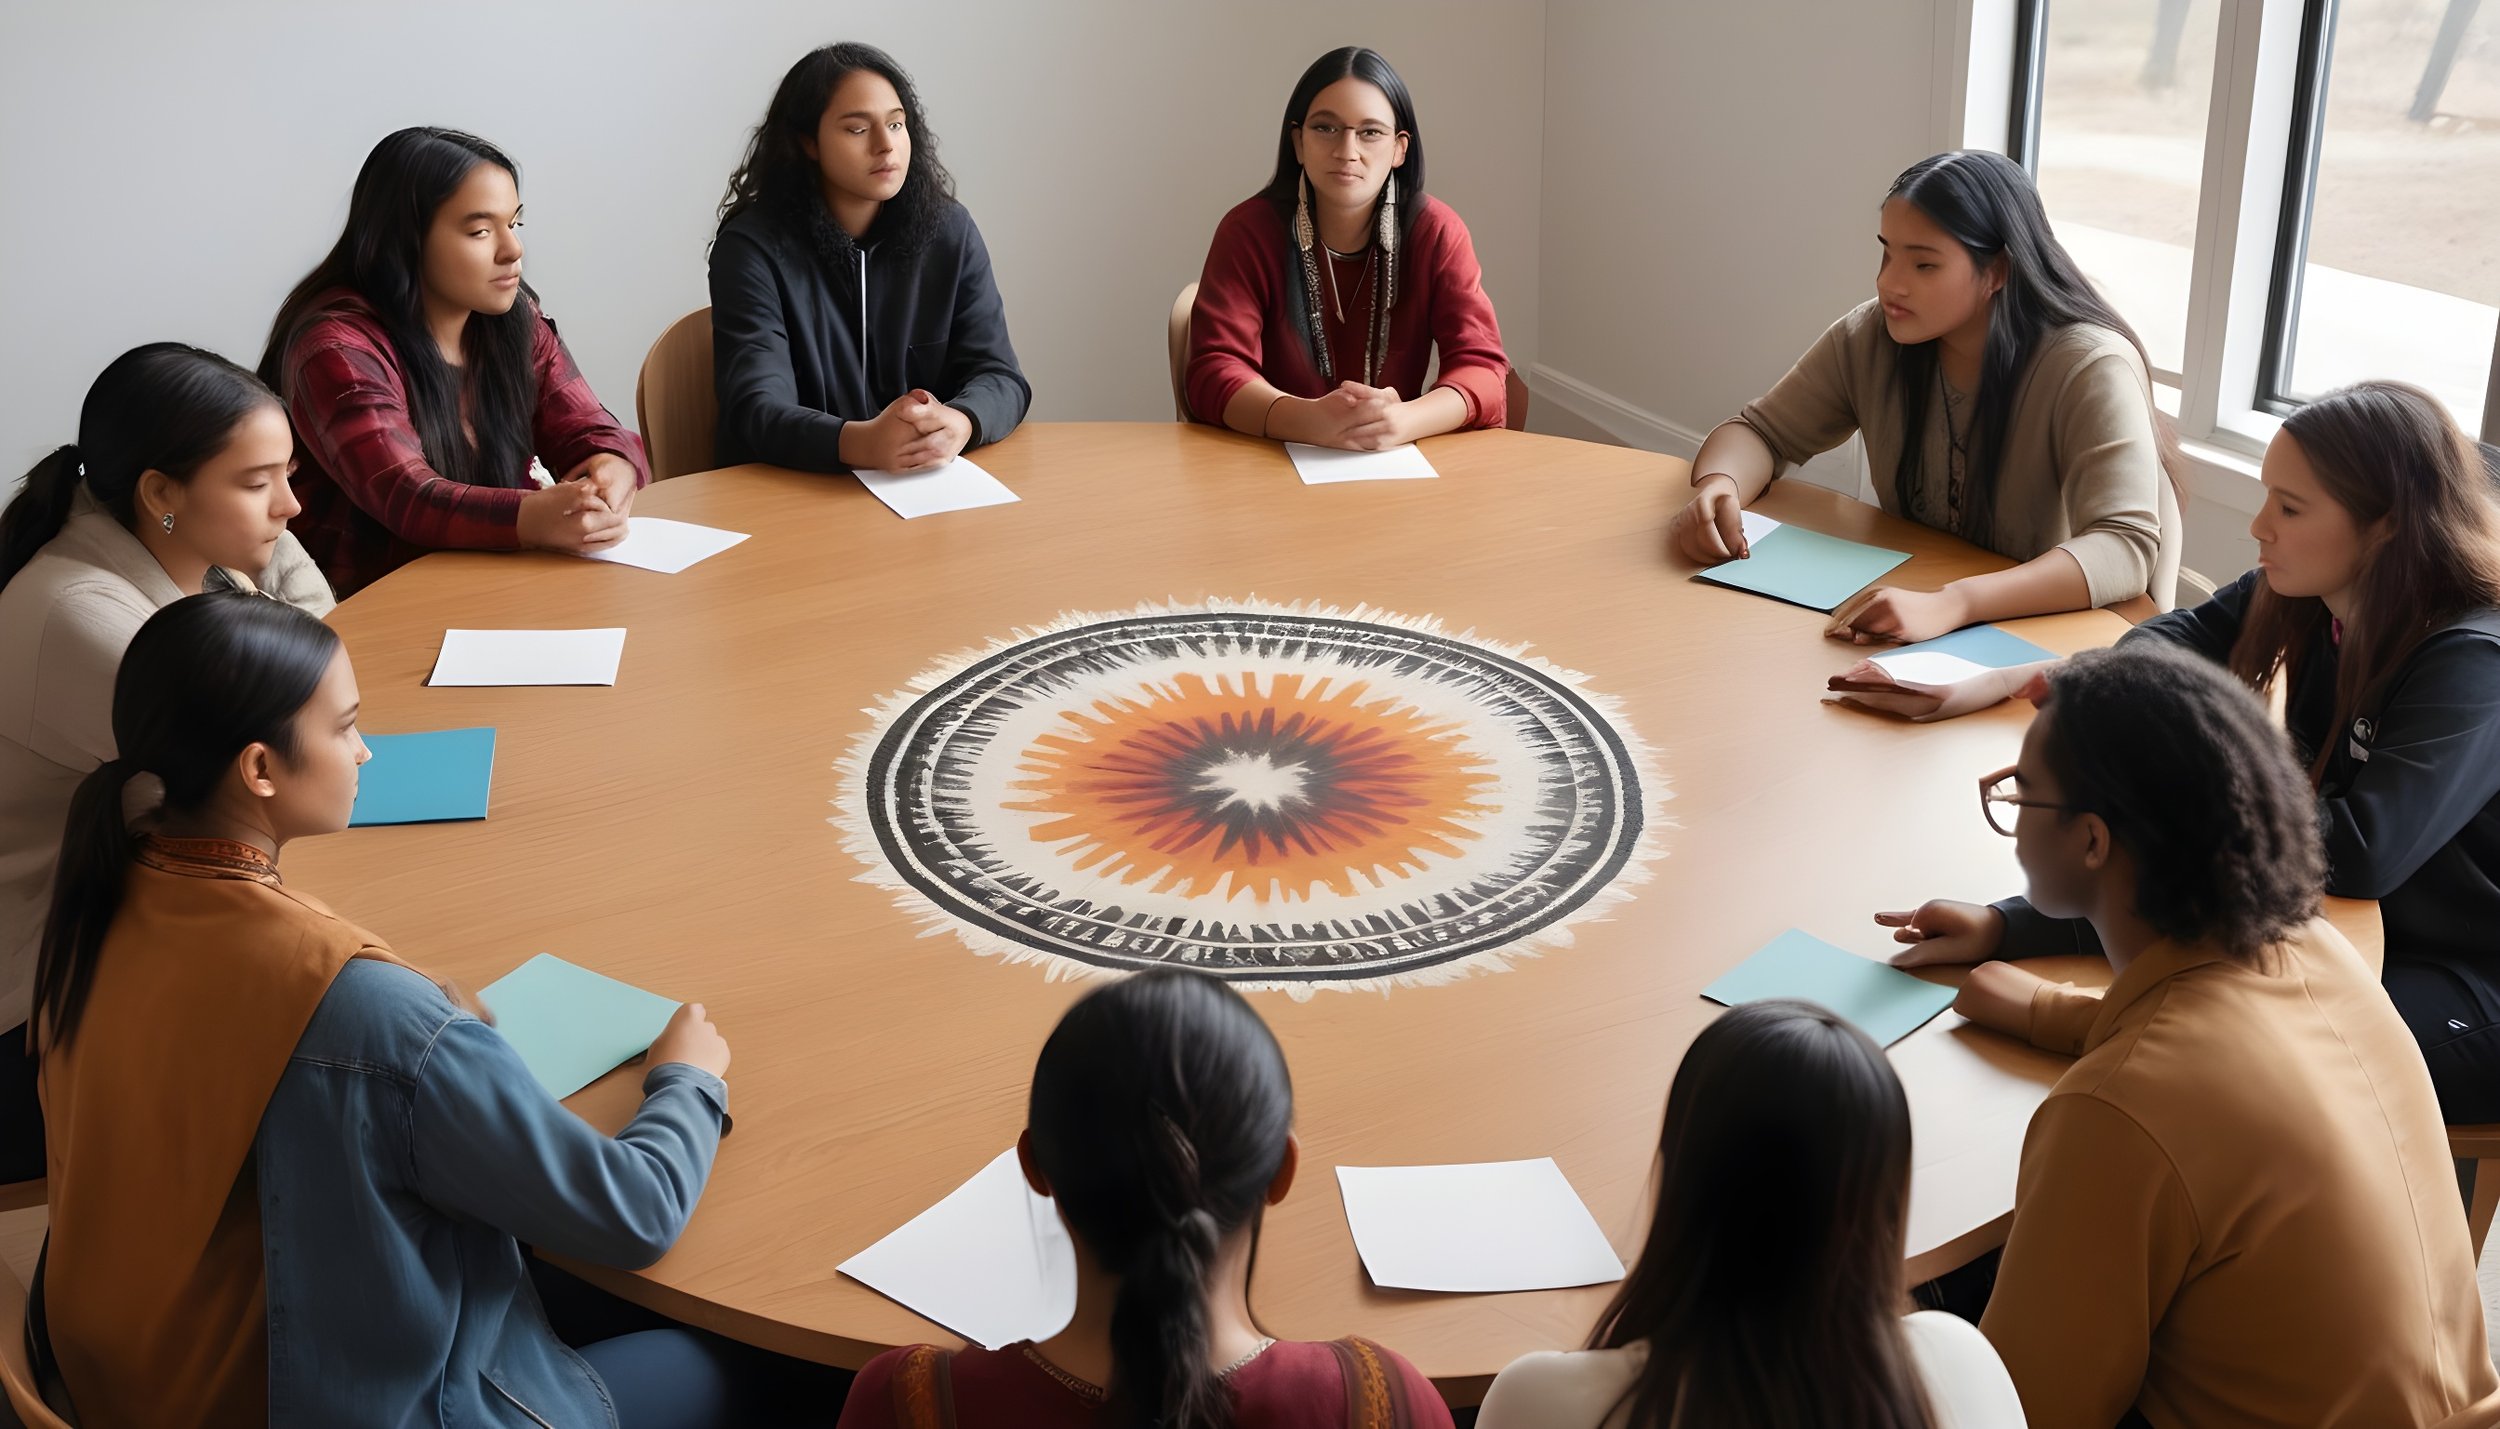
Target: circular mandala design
x,y
1277,796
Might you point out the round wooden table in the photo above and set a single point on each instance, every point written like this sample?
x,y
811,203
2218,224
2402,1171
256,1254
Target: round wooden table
x,y
673,831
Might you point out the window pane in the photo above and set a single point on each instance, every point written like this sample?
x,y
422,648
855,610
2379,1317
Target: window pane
x,y
2403,271
2124,87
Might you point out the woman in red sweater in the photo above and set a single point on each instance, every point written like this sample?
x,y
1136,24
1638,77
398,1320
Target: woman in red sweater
x,y
1325,294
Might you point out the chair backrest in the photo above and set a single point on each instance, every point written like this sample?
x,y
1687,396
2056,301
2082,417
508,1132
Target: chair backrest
x,y
17,1376
18,1195
1514,400
674,401
2193,589
1176,343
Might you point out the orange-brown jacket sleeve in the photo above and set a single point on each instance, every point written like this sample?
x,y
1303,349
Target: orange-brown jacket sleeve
x,y
2103,1233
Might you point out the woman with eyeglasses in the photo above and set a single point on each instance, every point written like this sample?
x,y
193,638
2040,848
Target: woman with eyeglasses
x,y
1325,296
2001,399
2376,604
855,322
2236,1207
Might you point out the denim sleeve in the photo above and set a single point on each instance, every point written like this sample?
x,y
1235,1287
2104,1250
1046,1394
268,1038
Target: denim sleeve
x,y
491,1144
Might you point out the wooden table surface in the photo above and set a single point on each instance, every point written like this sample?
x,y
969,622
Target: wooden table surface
x,y
673,831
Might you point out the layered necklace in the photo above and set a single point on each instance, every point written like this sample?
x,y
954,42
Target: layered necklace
x,y
1380,276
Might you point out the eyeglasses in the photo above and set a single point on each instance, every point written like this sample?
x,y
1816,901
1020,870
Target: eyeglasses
x,y
1370,136
1997,790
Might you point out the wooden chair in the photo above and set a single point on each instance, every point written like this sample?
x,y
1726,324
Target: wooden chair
x,y
2480,1145
674,401
18,1195
1514,400
1176,343
17,1376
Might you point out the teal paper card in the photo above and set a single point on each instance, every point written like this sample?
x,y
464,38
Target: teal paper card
x,y
571,1025
425,778
1806,568
1886,1003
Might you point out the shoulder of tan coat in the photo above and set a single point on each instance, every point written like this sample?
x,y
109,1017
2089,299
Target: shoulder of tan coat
x,y
2073,353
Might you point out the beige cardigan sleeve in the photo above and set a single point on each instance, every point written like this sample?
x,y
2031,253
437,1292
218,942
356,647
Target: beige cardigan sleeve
x,y
293,578
2110,474
1815,407
2102,1236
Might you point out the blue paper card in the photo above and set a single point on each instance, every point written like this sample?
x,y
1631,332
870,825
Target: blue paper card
x,y
571,1025
424,778
1981,645
1806,568
1885,1002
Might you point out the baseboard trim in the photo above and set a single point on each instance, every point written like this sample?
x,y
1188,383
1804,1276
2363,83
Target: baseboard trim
x,y
1842,469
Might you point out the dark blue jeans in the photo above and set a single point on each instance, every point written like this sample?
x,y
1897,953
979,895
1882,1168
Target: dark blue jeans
x,y
663,1375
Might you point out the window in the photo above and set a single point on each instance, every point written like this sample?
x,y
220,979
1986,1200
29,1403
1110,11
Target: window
x,y
2281,195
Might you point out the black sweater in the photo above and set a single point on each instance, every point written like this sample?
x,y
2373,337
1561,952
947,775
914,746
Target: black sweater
x,y
2410,803
810,330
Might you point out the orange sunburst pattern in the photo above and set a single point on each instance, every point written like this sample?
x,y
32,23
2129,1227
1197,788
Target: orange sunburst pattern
x,y
1310,784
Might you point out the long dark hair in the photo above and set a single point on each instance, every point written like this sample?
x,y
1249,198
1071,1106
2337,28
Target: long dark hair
x,y
2196,783
380,257
1769,1290
163,407
1160,1112
1352,62
204,679
1993,210
776,174
2393,458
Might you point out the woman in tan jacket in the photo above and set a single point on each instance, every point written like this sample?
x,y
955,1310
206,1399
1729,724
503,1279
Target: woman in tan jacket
x,y
2002,400
2236,1208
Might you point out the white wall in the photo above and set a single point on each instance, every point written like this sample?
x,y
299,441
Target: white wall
x,y
172,168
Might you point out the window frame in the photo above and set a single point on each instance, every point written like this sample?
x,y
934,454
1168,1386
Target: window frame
x,y
2263,136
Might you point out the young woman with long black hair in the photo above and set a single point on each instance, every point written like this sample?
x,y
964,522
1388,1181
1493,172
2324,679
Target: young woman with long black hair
x,y
2375,604
2001,400
330,1238
1327,294
177,483
1161,1127
855,322
2235,1208
1768,1292
423,377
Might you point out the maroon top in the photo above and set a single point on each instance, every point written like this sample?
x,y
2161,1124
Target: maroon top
x,y
1243,328
372,503
1290,1385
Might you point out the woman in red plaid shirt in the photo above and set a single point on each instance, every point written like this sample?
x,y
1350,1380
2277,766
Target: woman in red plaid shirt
x,y
422,378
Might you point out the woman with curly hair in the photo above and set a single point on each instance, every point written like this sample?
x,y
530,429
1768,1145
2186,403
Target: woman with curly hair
x,y
854,319
2376,603
2235,1207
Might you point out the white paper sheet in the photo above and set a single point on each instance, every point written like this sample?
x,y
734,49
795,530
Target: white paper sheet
x,y
1321,466
656,543
1758,526
1490,1226
1928,667
957,486
991,1262
529,657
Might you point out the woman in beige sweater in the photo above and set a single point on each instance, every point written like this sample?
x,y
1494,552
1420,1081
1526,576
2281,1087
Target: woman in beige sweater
x,y
2001,401
177,483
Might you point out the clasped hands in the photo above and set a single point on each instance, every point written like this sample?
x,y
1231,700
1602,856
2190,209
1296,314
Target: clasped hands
x,y
584,511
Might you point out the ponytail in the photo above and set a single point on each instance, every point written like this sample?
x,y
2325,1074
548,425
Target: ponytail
x,y
40,510
96,848
165,407
204,679
1161,1114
